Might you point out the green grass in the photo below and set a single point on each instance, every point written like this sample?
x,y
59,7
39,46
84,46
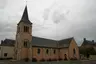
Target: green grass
x,y
61,62
52,62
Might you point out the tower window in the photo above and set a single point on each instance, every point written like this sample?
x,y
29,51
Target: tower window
x,y
26,29
25,43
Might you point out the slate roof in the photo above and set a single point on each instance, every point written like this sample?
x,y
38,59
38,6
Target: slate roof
x,y
87,42
42,42
25,17
8,42
37,41
65,42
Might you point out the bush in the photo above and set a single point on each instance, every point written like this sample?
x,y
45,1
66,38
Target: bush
x,y
34,60
1,58
26,59
60,59
49,60
6,58
73,59
42,60
54,60
65,58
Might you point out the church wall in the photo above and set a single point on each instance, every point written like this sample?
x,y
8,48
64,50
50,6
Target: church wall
x,y
7,52
24,53
43,53
54,56
62,53
72,46
35,53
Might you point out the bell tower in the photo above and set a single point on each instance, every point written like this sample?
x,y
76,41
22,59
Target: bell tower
x,y
23,45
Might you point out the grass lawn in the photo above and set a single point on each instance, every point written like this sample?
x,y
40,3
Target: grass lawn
x,y
60,62
52,62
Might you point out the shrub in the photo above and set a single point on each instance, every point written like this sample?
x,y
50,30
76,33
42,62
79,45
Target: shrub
x,y
42,60
54,60
1,58
49,60
73,58
60,59
26,59
34,60
65,58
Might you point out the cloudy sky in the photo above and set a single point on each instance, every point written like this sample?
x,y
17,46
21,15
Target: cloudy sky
x,y
53,19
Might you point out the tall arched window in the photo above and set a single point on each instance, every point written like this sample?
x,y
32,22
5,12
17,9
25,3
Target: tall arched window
x,y
38,51
74,52
26,29
47,51
54,51
26,43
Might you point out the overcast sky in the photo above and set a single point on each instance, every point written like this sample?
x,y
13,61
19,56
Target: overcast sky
x,y
53,19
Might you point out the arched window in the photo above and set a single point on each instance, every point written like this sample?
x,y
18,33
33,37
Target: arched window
x,y
38,51
26,29
74,52
54,51
47,51
26,42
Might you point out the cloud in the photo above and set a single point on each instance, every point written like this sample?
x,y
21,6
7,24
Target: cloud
x,y
61,19
3,3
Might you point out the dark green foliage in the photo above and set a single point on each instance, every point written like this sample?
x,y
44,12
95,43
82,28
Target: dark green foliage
x,y
87,51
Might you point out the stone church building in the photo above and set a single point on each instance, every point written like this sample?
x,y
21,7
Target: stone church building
x,y
28,46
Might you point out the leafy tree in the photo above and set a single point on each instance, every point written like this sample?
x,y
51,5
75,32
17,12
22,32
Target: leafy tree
x,y
87,51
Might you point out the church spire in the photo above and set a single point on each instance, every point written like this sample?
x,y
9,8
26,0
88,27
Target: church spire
x,y
25,14
25,17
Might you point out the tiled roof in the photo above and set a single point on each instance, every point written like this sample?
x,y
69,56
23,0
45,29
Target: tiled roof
x,y
65,42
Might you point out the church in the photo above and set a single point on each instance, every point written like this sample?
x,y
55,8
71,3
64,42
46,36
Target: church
x,y
32,47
